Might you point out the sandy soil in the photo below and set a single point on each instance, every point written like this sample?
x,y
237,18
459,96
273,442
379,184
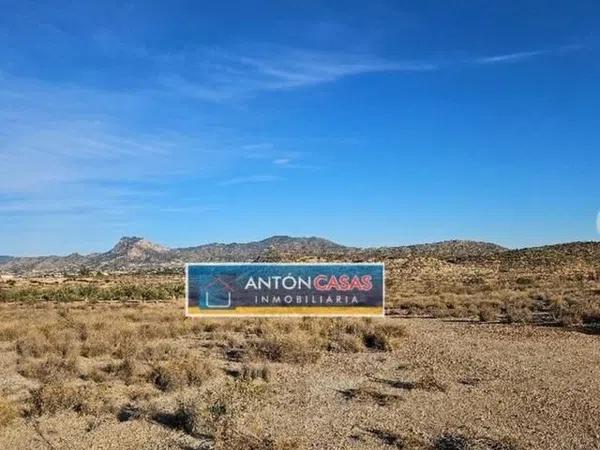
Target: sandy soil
x,y
536,387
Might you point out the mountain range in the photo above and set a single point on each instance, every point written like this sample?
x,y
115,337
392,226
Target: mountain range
x,y
139,254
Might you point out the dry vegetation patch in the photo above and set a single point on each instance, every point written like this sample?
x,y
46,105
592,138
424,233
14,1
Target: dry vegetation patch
x,y
9,412
144,363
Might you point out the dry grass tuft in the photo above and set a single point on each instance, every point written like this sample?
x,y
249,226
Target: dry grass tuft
x,y
487,313
251,373
32,344
377,340
52,367
188,370
518,314
296,348
55,397
190,416
8,412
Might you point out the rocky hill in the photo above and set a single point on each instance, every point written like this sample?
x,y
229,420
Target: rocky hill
x,y
549,257
444,250
136,253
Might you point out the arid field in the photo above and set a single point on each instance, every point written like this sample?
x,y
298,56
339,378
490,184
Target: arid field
x,y
137,374
482,351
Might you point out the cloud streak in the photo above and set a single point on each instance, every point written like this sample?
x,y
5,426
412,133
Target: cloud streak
x,y
223,75
58,135
516,57
510,57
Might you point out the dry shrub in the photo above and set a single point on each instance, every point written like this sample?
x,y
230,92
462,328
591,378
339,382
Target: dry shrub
x,y
54,397
8,412
45,340
213,413
33,344
567,316
142,392
96,374
296,348
250,373
353,336
127,370
570,312
8,333
82,329
487,313
591,315
158,351
392,330
125,342
518,314
186,370
190,416
52,367
151,330
63,343
377,340
344,343
381,336
97,343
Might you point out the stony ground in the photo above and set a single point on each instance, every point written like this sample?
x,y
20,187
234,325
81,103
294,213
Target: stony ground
x,y
443,385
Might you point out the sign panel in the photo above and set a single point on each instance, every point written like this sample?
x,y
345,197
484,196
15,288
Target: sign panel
x,y
284,289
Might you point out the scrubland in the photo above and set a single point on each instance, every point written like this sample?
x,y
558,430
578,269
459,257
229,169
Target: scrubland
x,y
566,296
471,356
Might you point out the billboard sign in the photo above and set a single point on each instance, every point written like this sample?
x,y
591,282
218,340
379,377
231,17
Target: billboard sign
x,y
284,289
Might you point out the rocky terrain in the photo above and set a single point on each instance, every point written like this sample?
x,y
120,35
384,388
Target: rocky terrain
x,y
136,253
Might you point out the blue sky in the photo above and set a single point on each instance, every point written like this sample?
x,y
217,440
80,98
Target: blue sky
x,y
379,123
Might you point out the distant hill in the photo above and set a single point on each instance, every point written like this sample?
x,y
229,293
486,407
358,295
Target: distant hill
x,y
445,249
549,256
4,259
136,253
139,254
277,245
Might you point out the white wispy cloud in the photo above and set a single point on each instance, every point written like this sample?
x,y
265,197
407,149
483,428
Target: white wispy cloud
x,y
57,140
510,57
515,57
219,74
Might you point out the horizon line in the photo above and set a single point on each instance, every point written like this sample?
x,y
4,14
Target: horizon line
x,y
373,247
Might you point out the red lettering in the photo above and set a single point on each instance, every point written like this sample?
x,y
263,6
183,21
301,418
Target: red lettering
x,y
333,284
367,281
344,282
319,286
356,284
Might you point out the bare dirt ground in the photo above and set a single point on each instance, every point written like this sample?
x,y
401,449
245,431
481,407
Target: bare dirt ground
x,y
116,376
